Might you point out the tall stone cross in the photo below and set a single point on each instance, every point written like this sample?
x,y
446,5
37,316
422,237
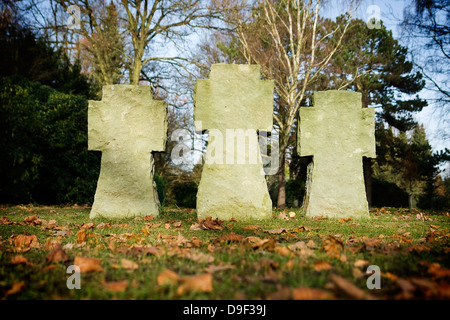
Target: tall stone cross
x,y
127,125
232,106
337,132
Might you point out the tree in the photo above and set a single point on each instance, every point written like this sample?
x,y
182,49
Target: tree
x,y
426,26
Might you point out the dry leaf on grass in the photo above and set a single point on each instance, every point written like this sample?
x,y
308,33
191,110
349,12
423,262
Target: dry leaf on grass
x,y
251,227
128,264
24,243
282,251
199,257
197,283
87,265
20,259
333,246
116,286
350,289
81,236
57,254
231,237
361,263
167,277
305,293
220,267
210,224
16,288
33,220
322,266
276,231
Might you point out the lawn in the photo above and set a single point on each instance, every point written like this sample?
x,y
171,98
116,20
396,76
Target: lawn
x,y
175,256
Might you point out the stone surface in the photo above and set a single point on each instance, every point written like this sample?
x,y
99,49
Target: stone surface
x,y
126,126
337,132
233,105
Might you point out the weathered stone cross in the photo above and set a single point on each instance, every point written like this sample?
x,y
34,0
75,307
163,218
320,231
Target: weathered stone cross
x,y
337,132
233,105
127,125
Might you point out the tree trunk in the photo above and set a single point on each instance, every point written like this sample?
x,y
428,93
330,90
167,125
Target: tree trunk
x,y
281,201
136,72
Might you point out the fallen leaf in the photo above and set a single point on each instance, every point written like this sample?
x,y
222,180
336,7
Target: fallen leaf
x,y
210,224
437,271
292,214
322,266
167,277
350,289
81,236
197,283
5,220
372,244
57,254
16,288
305,293
333,246
33,220
87,226
282,216
282,250
116,286
260,244
199,257
195,226
357,273
302,249
361,263
177,224
24,243
128,264
148,218
20,259
276,231
220,267
345,219
87,265
251,227
231,237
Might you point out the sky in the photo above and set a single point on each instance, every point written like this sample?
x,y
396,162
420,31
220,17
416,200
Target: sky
x,y
391,12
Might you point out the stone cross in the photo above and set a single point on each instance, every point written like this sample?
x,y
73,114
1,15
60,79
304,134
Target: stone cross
x,y
127,125
232,106
337,132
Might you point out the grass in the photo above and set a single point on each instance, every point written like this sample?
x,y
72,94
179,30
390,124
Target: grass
x,y
411,250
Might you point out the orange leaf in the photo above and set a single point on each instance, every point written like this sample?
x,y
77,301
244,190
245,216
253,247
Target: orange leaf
x,y
57,254
16,287
24,243
167,277
251,227
361,263
81,236
128,264
231,237
322,266
116,286
20,259
198,283
333,247
87,265
310,294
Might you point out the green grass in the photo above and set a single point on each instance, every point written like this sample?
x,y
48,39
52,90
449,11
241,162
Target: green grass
x,y
255,273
